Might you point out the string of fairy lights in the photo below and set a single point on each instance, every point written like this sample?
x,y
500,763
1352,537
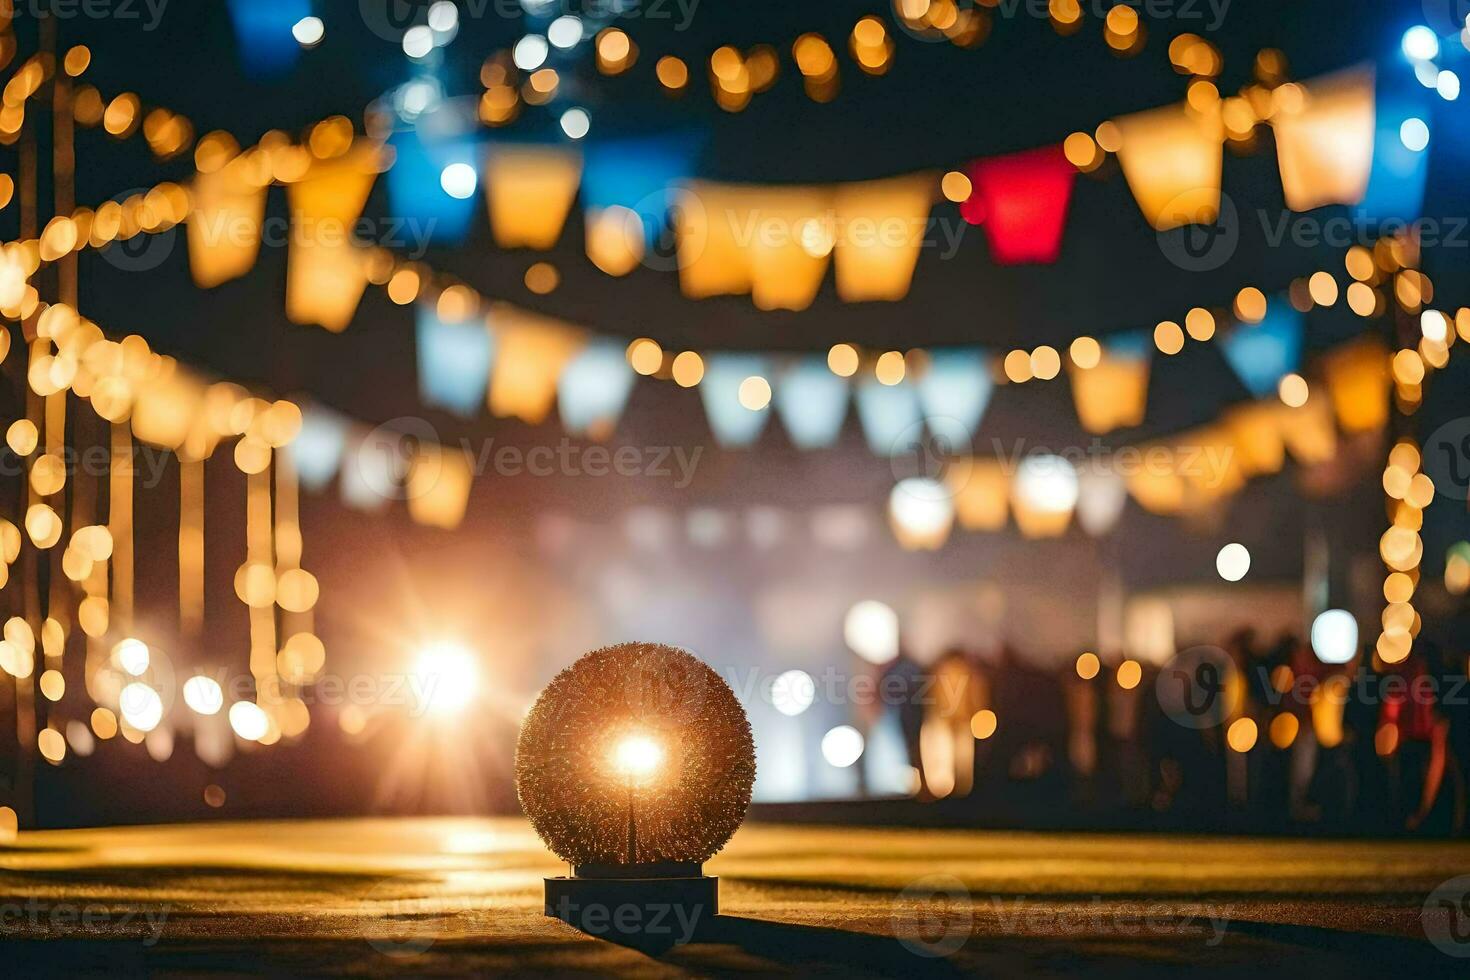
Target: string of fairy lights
x,y
736,76
140,397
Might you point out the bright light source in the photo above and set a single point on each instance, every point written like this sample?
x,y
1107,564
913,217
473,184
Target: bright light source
x,y
1447,84
418,41
132,656
249,720
565,31
447,675
792,692
842,746
1335,636
141,706
637,756
1414,133
871,631
203,695
530,52
1233,562
459,180
443,17
575,123
1420,44
308,31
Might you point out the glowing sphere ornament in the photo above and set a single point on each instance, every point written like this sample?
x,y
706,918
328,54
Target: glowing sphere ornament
x,y
635,765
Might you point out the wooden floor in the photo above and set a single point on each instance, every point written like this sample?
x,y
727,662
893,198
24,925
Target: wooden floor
x,y
447,896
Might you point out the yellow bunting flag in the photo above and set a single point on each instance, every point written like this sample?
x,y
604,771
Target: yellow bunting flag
x,y
790,241
1309,432
224,224
529,190
1255,430
881,227
438,487
1358,382
1324,145
530,353
614,239
1111,394
326,272
1171,157
982,492
711,227
1155,484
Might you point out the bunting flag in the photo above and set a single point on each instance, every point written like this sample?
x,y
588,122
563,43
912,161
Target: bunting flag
x,y
325,271
529,190
1213,471
641,176
1114,393
1400,160
891,417
531,352
317,450
1309,432
812,402
1358,382
982,491
920,514
954,392
263,37
614,239
1255,432
732,423
419,183
371,473
227,208
1021,201
1157,488
710,225
790,239
1043,496
628,188
453,361
881,227
1102,495
1263,353
593,388
438,486
1172,159
1325,148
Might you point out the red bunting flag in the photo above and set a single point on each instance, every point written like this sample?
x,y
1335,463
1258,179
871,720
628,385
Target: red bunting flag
x,y
1021,199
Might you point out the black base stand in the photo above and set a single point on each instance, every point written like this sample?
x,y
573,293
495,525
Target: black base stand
x,y
644,912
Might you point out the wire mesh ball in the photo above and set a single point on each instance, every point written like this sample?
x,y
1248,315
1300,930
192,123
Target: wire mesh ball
x,y
638,729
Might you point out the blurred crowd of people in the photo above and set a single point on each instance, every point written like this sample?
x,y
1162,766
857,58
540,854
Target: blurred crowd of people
x,y
1256,733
